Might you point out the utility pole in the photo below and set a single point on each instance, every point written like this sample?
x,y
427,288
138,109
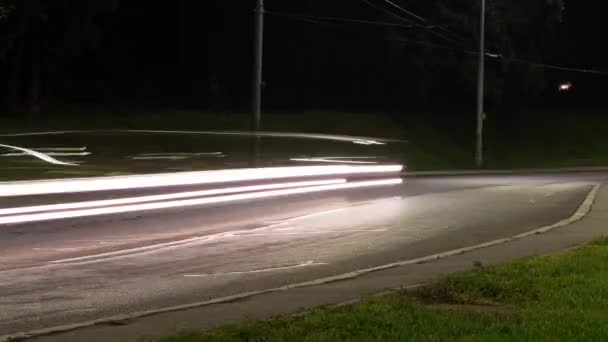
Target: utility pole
x,y
480,89
258,63
257,67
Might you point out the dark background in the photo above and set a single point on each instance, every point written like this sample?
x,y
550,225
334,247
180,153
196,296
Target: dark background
x,y
198,55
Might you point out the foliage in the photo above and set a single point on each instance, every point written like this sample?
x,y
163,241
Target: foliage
x,y
48,32
201,51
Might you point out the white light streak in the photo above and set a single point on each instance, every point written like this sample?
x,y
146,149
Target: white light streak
x,y
23,188
154,198
368,142
53,154
61,149
175,156
343,138
41,156
330,160
160,158
181,154
29,218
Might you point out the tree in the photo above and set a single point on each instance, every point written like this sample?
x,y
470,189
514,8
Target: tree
x,y
6,7
38,37
516,29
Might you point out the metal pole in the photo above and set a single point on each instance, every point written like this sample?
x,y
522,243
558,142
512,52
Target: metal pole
x,y
479,160
257,67
258,61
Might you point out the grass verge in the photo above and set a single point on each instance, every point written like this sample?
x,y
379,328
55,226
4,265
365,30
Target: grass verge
x,y
434,141
554,298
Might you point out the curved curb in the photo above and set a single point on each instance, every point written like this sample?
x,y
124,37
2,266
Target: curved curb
x,y
582,211
513,172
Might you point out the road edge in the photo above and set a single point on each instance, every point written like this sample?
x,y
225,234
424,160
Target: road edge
x,y
483,172
583,210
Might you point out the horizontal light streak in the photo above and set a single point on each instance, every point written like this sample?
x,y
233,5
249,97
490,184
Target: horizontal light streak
x,y
331,161
368,142
53,154
29,218
182,154
338,138
61,149
175,156
160,158
184,178
154,198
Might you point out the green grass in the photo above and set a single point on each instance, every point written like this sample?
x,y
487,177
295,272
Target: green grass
x,y
556,298
425,148
434,142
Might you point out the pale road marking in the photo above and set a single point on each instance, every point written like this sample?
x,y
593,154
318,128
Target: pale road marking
x,y
141,251
67,249
312,232
180,243
118,242
201,239
582,211
265,270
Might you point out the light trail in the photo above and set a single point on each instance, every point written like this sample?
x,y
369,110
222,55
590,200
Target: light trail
x,y
330,161
180,195
41,156
160,158
29,218
53,154
336,160
339,138
24,188
181,154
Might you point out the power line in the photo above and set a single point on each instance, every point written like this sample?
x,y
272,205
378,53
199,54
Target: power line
x,y
381,9
425,27
310,18
549,66
497,56
430,27
338,19
334,20
405,11
501,57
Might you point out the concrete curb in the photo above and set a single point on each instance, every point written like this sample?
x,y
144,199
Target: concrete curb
x,y
582,211
453,173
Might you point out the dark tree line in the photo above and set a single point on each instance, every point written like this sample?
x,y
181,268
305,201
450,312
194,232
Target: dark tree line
x,y
39,40
198,53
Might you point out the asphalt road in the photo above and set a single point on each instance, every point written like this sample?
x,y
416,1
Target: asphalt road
x,y
63,272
